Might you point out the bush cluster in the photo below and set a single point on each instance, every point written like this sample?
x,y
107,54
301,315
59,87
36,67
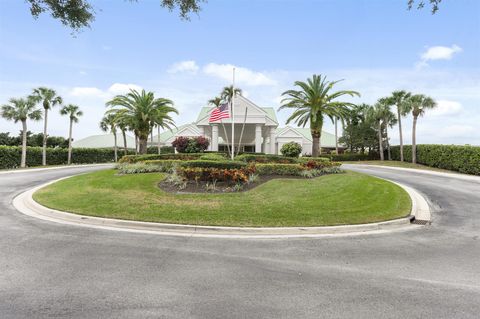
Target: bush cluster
x,y
163,150
268,158
209,174
10,156
291,149
164,165
214,164
279,169
463,159
185,144
137,168
351,157
147,157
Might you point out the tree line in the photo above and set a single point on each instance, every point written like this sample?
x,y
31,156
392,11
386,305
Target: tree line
x,y
365,127
35,107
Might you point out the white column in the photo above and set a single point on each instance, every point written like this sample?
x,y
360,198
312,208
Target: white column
x,y
272,140
202,130
258,138
214,138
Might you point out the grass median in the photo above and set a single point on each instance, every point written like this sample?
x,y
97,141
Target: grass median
x,y
338,199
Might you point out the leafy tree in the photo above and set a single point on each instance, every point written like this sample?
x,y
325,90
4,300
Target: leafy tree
x,y
19,110
418,104
73,112
109,123
398,99
140,110
49,99
312,103
6,139
359,132
421,4
78,14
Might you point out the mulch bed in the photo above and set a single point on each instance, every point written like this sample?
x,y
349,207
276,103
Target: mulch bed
x,y
221,187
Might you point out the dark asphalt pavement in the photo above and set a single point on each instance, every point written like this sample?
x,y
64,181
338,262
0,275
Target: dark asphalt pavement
x,y
53,270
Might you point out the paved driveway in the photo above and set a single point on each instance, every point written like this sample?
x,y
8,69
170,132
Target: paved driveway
x,y
53,270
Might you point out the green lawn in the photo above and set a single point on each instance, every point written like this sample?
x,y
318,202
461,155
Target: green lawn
x,y
349,198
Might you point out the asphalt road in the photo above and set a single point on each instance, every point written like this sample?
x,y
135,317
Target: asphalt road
x,y
53,270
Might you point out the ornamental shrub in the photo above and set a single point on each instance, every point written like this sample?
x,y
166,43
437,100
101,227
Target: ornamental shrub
x,y
185,144
163,165
213,157
291,149
351,157
214,164
138,168
148,157
163,150
279,169
268,158
463,159
210,174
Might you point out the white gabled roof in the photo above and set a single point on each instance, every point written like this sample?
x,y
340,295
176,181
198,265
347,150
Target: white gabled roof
x,y
103,141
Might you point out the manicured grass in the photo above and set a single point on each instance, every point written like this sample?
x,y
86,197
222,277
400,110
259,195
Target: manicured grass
x,y
402,164
348,198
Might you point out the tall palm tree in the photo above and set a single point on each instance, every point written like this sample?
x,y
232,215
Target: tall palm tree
x,y
418,104
49,99
109,123
123,125
312,103
228,92
19,110
378,113
163,119
398,99
141,109
389,120
73,112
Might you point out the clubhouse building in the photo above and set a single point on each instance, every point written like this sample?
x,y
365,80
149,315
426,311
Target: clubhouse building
x,y
256,130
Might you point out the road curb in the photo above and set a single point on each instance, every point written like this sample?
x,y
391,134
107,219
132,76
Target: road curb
x,y
25,204
39,169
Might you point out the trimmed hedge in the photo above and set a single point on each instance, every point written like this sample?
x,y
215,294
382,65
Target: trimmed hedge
x,y
213,157
214,164
279,169
163,150
164,165
351,157
463,159
146,157
10,156
268,158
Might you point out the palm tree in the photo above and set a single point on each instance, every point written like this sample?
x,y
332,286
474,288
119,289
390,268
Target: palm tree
x,y
21,110
228,92
418,104
123,125
49,99
163,119
398,99
73,112
389,120
109,122
312,102
141,109
379,113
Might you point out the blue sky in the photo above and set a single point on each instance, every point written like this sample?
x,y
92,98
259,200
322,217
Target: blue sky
x,y
377,46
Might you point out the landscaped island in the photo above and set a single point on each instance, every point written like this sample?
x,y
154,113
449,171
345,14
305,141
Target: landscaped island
x,y
294,199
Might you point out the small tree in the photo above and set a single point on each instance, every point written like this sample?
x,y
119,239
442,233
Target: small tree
x,y
185,144
291,149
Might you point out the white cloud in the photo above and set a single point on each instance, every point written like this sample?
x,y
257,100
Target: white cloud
x,y
438,53
446,107
184,66
122,88
243,76
86,92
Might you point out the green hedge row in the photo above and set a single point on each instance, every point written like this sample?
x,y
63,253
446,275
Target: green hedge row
x,y
268,158
171,156
350,157
214,164
279,169
10,156
463,159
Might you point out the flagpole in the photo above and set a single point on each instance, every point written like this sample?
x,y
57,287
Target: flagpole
x,y
233,115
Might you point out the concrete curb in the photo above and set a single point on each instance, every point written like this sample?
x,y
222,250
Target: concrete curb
x,y
26,170
25,204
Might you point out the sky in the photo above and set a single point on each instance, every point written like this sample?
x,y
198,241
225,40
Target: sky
x,y
374,46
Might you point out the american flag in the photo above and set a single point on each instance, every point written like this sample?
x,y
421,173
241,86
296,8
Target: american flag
x,y
219,113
